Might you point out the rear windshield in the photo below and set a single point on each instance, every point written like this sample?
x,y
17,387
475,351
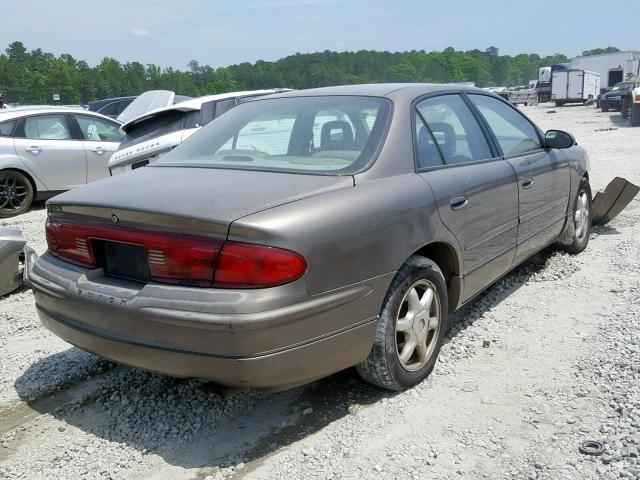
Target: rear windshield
x,y
156,126
322,135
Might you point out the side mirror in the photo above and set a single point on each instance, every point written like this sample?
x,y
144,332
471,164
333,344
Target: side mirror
x,y
558,139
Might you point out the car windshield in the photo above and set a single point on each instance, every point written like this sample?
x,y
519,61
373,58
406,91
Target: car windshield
x,y
622,86
328,135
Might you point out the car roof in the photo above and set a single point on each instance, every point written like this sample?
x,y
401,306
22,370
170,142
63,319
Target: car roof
x,y
12,113
382,90
194,104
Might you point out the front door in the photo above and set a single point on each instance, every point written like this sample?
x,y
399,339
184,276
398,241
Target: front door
x,y
476,192
101,140
46,146
543,175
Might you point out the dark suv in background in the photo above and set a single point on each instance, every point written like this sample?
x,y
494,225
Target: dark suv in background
x,y
612,100
111,107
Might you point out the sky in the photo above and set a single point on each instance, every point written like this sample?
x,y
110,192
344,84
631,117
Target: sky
x,y
170,33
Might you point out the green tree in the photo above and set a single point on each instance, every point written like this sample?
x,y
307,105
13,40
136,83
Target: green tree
x,y
599,51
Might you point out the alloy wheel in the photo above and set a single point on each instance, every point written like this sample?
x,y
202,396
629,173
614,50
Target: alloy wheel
x,y
417,325
13,192
582,216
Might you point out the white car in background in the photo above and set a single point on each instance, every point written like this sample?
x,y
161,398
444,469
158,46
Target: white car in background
x,y
149,136
47,150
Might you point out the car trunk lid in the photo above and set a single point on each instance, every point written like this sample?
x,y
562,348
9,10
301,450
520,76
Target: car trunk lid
x,y
190,198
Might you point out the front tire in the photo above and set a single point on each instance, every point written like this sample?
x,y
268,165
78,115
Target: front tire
x,y
626,107
411,328
604,107
576,236
16,193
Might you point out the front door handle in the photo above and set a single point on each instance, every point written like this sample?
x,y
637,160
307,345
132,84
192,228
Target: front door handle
x,y
526,182
458,202
98,150
33,149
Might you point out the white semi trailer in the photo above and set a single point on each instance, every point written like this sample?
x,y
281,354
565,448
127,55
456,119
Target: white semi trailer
x,y
574,86
613,67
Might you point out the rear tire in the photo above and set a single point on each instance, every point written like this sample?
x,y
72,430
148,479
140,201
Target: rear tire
x,y
576,235
635,115
414,314
16,193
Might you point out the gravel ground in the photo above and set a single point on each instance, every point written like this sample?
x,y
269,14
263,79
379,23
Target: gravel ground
x,y
545,359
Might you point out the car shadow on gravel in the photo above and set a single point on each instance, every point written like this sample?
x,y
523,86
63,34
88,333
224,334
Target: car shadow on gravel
x,y
189,426
618,121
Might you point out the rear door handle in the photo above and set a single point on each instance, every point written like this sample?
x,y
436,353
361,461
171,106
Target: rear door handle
x,y
98,150
458,202
33,149
526,182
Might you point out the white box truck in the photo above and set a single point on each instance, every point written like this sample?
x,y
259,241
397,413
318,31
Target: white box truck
x,y
612,67
574,86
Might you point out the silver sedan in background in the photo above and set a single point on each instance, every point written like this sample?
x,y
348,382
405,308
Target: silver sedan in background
x,y
47,150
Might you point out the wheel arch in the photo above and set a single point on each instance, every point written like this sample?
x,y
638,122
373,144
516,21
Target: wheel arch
x,y
447,259
26,174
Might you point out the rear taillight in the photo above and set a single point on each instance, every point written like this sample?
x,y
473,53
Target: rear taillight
x,y
179,258
246,265
69,241
173,258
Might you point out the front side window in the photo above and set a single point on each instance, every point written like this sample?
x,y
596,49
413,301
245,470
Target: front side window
x,y
324,135
515,134
47,127
98,130
6,128
456,131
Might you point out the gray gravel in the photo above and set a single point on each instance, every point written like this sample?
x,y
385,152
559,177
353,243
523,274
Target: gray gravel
x,y
545,359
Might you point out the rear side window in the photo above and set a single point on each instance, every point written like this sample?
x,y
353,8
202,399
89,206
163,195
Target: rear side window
x,y
428,154
224,106
122,104
47,127
6,128
110,109
454,128
515,134
207,112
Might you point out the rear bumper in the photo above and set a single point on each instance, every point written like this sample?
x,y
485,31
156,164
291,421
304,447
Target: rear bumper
x,y
267,339
274,371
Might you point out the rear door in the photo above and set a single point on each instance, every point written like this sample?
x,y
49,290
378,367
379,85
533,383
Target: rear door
x,y
46,144
100,140
543,175
575,88
559,85
475,189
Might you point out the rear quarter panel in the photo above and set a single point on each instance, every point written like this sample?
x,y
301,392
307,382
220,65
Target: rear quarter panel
x,y
351,235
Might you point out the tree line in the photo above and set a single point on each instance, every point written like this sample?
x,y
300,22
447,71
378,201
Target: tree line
x,y
33,77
